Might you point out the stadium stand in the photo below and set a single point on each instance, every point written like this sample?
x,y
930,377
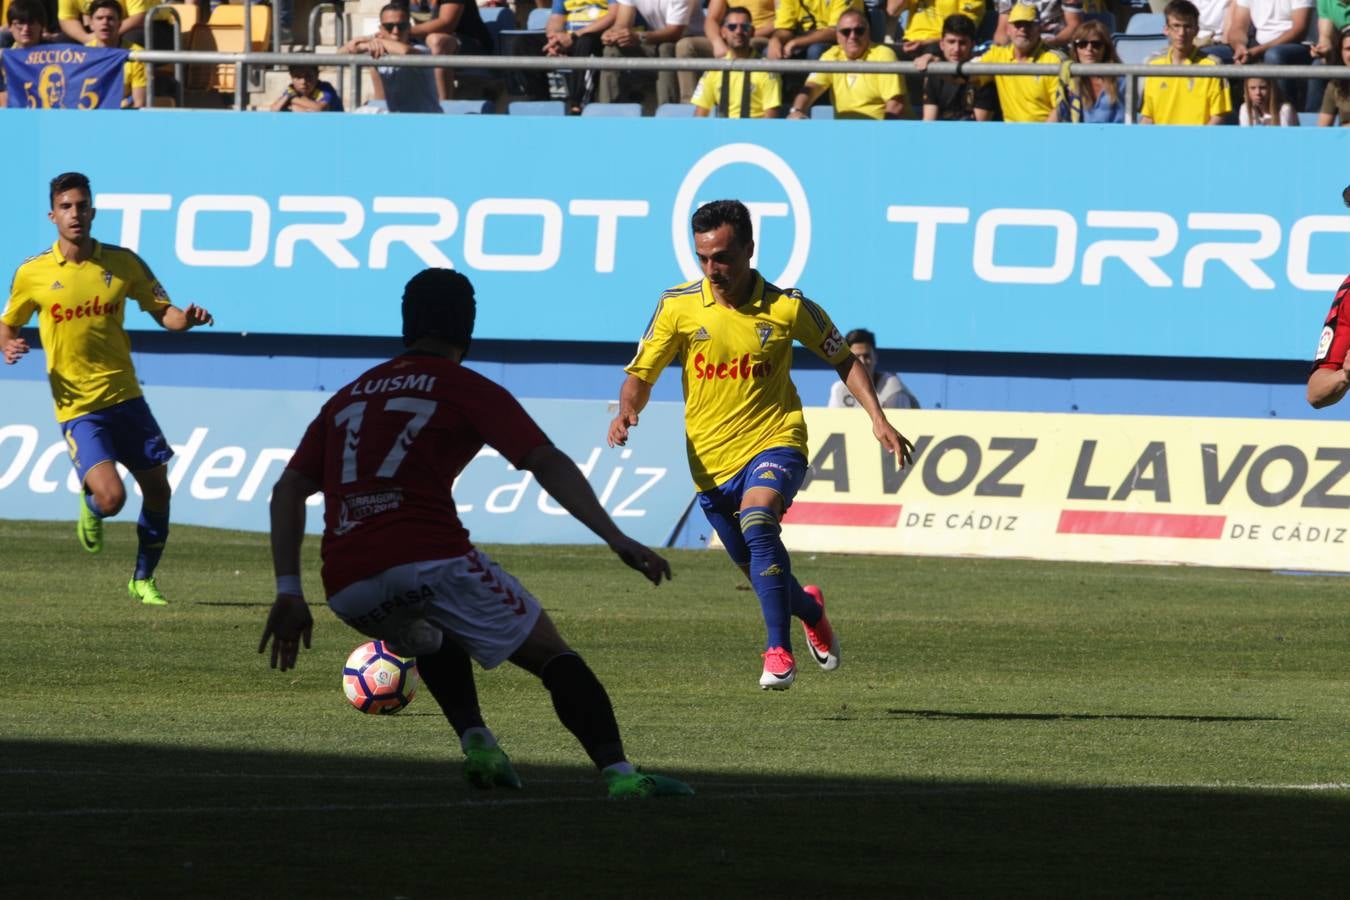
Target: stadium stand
x,y
675,111
466,107
1139,48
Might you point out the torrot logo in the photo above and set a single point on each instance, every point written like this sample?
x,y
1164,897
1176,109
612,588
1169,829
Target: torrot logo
x,y
796,205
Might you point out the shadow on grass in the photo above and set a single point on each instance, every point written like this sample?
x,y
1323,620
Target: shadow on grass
x,y
117,820
1089,717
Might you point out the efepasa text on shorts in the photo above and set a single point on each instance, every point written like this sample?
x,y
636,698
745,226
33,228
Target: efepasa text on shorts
x,y
1242,492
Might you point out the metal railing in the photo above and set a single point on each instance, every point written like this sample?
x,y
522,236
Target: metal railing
x,y
154,14
1131,72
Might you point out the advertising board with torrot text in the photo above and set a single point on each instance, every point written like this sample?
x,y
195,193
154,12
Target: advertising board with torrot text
x,y
1231,492
921,231
231,445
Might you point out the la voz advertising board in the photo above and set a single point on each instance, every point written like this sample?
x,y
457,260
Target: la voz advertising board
x,y
941,236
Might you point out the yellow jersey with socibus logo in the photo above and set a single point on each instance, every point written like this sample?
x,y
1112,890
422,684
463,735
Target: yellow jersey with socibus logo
x,y
739,399
80,309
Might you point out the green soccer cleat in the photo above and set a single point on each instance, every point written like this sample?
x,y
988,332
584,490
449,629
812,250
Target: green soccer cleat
x,y
641,785
488,767
89,529
146,591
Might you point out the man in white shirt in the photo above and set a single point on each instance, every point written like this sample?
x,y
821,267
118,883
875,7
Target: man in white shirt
x,y
667,22
891,391
1280,27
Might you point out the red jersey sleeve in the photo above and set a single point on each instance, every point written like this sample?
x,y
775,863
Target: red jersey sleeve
x,y
502,422
308,456
1335,340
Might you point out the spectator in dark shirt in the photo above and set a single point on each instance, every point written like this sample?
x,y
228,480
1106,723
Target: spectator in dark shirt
x,y
955,98
456,26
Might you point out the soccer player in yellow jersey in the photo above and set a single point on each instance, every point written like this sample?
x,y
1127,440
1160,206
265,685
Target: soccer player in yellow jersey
x,y
745,431
79,289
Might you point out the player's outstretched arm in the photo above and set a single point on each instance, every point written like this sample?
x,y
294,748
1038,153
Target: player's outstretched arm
x,y
175,319
13,346
633,398
559,475
289,620
859,383
1325,386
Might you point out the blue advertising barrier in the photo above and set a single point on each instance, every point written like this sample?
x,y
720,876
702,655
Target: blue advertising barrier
x,y
231,445
1189,242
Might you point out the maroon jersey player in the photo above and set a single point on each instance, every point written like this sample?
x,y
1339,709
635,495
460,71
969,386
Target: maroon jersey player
x,y
398,564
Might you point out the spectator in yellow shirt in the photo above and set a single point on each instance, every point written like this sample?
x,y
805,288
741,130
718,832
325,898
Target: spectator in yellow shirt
x,y
923,28
806,27
105,17
1169,100
1025,98
738,95
856,95
70,15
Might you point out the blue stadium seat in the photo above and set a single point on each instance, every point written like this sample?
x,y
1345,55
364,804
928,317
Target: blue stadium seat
x,y
613,110
1139,48
535,23
675,111
536,108
1146,23
466,107
822,111
497,19
1308,119
377,104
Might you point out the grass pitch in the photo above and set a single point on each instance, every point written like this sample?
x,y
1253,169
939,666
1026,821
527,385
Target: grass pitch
x,y
997,728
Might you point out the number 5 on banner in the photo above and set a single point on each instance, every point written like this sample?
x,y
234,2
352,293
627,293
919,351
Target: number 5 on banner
x,y
88,98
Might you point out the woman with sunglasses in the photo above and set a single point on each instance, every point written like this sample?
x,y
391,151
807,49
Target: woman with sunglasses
x,y
1090,98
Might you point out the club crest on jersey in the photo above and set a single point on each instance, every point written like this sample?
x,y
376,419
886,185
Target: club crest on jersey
x,y
702,334
107,278
765,331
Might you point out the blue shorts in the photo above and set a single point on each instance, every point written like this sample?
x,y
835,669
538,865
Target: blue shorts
x,y
779,468
126,433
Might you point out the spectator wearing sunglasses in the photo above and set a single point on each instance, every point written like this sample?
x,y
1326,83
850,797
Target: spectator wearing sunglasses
x,y
709,44
1094,99
402,88
1025,98
1183,101
856,95
805,28
738,95
1058,20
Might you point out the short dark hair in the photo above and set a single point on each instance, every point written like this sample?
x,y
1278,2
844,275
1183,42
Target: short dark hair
x,y
439,303
395,7
105,4
27,11
69,181
712,216
959,25
862,335
1181,9
1345,195
738,10
295,69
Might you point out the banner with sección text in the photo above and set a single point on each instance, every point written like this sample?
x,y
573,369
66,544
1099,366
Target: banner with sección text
x,y
1225,492
231,445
